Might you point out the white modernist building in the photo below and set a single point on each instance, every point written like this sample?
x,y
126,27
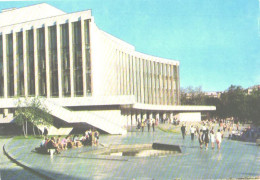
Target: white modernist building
x,y
84,75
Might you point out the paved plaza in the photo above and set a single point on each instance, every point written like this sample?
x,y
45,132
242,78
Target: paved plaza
x,y
9,170
234,160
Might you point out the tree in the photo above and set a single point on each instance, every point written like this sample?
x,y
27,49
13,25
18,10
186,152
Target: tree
x,y
234,103
253,107
33,112
192,96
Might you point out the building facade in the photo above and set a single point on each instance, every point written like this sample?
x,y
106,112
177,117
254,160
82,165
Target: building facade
x,y
72,64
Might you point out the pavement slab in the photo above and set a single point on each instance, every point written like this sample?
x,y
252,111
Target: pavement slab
x,y
234,159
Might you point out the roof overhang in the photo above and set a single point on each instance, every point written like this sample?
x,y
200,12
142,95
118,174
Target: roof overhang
x,y
148,107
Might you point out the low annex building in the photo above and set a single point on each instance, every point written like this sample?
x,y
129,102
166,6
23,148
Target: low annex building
x,y
84,75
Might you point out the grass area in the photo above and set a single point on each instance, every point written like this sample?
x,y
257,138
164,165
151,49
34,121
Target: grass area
x,y
28,137
169,130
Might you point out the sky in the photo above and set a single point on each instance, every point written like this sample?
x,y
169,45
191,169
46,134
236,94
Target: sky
x,y
217,42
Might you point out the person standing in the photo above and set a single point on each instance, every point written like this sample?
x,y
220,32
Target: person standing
x,y
212,138
153,124
204,128
45,132
218,138
183,131
192,132
138,124
200,134
142,126
148,124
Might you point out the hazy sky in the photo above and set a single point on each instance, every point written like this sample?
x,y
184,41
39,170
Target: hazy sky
x,y
216,41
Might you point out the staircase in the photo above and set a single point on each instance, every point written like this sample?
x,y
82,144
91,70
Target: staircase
x,y
86,117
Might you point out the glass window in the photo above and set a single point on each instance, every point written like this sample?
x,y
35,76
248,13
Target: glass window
x,y
20,64
53,60
88,59
41,62
65,59
77,54
1,68
30,63
10,67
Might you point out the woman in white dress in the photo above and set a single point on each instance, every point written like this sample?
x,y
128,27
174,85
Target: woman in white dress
x,y
212,138
218,138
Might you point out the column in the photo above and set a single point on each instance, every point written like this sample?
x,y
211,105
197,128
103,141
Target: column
x,y
134,78
125,73
144,116
121,73
169,84
137,78
134,119
15,64
129,122
5,64
59,60
150,115
48,83
171,117
71,60
157,83
150,91
83,48
164,116
138,116
152,83
164,84
5,112
25,63
160,83
157,117
142,80
131,76
36,65
118,71
178,85
173,86
145,80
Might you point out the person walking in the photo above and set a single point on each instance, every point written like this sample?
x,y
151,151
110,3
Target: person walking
x,y
206,138
212,138
218,138
183,131
192,132
204,128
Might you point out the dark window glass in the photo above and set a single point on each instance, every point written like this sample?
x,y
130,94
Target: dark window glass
x,y
20,64
65,59
30,63
53,60
77,55
10,67
1,68
41,62
88,60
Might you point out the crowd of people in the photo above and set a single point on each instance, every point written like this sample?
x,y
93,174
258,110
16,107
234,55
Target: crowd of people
x,y
204,135
150,122
59,144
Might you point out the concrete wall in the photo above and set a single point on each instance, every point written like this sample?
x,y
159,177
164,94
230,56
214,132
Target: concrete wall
x,y
191,116
112,116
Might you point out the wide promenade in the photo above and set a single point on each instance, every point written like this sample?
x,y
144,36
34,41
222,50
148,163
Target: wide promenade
x,y
234,160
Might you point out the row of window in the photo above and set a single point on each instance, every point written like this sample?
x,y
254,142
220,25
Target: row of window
x,y
40,39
